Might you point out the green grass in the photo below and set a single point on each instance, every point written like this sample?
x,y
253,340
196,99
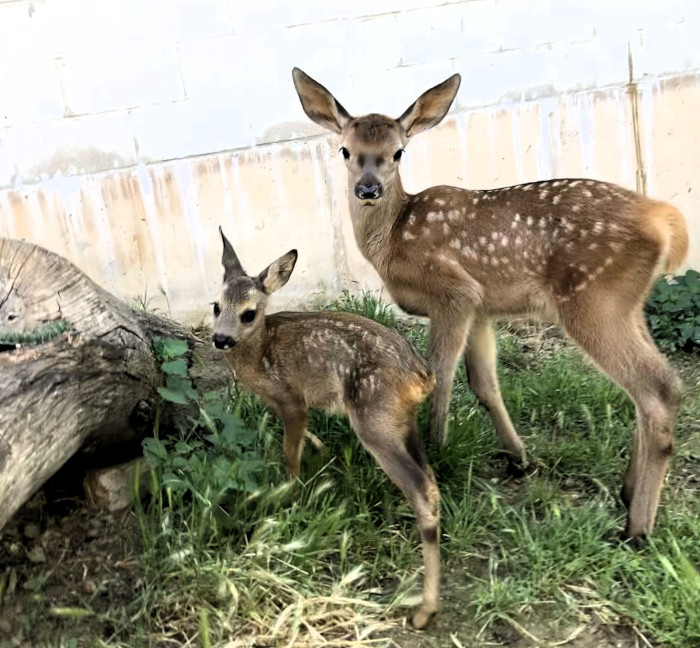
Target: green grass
x,y
337,554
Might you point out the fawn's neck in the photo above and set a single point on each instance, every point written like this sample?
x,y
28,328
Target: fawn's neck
x,y
372,223
247,356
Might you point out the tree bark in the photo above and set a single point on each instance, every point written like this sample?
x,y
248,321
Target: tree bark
x,y
91,389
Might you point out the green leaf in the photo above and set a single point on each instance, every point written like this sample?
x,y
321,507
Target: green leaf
x,y
169,348
173,396
182,447
155,452
180,463
182,385
692,277
175,367
687,330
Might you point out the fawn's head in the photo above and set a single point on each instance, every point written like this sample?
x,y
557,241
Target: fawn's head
x,y
239,313
372,145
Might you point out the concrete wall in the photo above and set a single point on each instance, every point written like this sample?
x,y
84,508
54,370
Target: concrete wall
x,y
130,129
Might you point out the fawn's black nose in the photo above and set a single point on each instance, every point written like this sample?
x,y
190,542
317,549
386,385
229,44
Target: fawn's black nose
x,y
223,342
368,191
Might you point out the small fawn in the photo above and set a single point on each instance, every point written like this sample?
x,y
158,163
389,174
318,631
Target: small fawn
x,y
339,363
579,253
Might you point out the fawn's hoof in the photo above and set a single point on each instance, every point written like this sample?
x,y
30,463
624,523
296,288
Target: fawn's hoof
x,y
635,541
422,616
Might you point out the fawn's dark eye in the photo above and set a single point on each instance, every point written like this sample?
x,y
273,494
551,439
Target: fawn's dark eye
x,y
247,316
345,152
398,154
217,310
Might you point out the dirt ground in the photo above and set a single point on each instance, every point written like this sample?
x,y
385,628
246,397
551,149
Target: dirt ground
x,y
64,566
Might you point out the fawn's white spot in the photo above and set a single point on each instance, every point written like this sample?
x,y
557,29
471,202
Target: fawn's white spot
x,y
453,214
527,187
575,208
432,216
598,227
491,247
529,221
543,194
556,199
574,183
494,235
472,215
454,243
475,201
504,241
587,193
518,241
408,236
482,240
439,201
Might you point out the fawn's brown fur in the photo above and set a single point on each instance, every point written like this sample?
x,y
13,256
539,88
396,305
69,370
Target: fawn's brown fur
x,y
580,253
339,363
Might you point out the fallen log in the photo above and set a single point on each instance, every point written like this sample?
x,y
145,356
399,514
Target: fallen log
x,y
78,373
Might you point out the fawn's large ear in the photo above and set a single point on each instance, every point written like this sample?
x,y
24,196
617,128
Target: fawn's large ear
x,y
278,272
430,108
232,266
319,104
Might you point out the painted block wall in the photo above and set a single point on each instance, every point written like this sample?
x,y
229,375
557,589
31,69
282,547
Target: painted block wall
x,y
130,129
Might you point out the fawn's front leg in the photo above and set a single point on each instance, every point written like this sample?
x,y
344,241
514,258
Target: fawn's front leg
x,y
448,336
480,361
294,418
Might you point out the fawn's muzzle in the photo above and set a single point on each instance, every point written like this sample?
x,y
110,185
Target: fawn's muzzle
x,y
369,191
223,342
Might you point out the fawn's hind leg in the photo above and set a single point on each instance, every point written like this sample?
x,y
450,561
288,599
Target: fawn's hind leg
x,y
628,355
397,448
